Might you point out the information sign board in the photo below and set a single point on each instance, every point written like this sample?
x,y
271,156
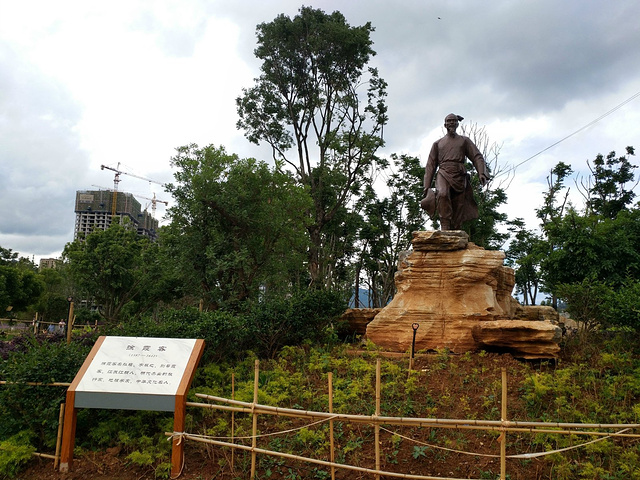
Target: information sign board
x,y
135,373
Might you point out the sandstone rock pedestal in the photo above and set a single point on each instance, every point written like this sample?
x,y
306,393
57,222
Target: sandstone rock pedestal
x,y
357,319
460,295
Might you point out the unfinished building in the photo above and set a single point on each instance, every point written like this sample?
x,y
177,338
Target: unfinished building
x,y
95,210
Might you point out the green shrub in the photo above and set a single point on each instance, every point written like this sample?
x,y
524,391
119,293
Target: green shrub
x,y
222,331
140,434
36,408
305,315
593,303
15,453
586,302
623,306
264,326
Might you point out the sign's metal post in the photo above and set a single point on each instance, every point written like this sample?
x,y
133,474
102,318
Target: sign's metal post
x,y
68,434
415,327
180,412
71,413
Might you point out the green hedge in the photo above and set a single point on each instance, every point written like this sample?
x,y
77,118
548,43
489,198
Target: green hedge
x,y
262,327
36,409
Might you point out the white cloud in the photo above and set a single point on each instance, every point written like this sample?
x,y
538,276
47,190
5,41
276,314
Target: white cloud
x,y
85,83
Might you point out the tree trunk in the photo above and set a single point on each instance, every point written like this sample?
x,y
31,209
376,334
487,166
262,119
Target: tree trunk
x,y
314,256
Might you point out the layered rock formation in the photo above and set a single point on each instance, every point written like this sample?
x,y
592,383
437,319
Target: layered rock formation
x,y
357,319
460,295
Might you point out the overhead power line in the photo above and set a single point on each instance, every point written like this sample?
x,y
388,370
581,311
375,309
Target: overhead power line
x,y
617,107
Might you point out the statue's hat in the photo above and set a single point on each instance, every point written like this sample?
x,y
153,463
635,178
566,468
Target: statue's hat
x,y
428,203
453,116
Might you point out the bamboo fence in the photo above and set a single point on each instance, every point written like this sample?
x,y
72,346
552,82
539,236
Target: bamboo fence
x,y
504,426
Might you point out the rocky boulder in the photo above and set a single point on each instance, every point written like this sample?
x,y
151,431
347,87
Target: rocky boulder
x,y
460,295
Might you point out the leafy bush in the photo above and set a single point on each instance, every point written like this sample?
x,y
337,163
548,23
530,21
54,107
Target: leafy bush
x,y
305,315
36,409
222,331
593,303
140,435
623,306
15,453
263,327
586,301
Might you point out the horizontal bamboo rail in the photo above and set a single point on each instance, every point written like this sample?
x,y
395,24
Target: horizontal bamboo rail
x,y
441,425
44,455
504,425
36,384
310,460
417,422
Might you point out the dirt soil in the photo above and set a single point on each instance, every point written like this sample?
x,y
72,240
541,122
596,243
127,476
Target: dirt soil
x,y
203,462
109,465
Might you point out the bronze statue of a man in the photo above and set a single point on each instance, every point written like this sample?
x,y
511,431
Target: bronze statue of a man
x,y
453,197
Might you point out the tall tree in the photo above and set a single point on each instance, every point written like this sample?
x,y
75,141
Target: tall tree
x,y
526,251
607,190
553,206
592,246
237,226
112,268
20,286
53,304
388,225
8,256
598,242
306,105
550,215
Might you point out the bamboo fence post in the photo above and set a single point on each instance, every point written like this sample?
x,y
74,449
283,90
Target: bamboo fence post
x,y
56,462
377,426
70,322
255,420
233,421
503,444
332,453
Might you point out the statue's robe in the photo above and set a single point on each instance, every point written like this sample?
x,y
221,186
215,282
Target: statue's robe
x,y
453,184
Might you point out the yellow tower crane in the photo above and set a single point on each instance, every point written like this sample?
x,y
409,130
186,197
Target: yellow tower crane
x,y
154,201
116,181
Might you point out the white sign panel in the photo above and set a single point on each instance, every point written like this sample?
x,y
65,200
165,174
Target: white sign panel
x,y
135,373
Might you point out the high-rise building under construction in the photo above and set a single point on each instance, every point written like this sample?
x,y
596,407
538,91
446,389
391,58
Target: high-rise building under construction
x,y
95,209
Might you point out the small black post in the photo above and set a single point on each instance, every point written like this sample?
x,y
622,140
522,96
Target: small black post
x,y
415,327
413,346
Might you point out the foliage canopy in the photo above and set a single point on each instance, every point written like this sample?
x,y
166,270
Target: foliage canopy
x,y
306,106
237,226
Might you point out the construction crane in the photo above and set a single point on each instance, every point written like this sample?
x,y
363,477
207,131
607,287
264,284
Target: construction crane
x,y
116,181
154,201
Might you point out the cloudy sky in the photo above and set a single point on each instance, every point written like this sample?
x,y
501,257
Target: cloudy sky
x,y
86,83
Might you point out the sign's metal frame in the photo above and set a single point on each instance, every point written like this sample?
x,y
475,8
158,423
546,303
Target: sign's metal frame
x,y
81,396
